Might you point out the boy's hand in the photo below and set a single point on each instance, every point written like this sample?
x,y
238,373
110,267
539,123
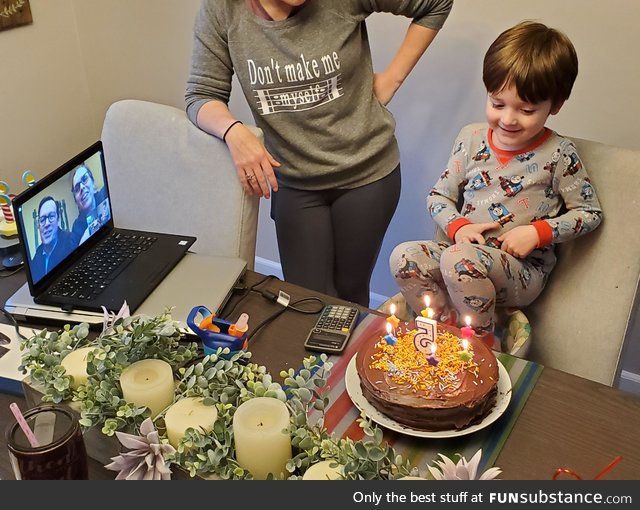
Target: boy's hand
x,y
472,232
520,241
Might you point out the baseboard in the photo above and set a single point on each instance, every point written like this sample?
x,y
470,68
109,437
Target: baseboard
x,y
266,266
629,382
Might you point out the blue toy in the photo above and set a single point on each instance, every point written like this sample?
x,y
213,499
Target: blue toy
x,y
212,339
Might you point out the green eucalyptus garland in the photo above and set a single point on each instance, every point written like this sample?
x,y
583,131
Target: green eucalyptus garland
x,y
221,380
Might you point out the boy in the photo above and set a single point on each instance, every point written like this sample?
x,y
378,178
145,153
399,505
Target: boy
x,y
522,186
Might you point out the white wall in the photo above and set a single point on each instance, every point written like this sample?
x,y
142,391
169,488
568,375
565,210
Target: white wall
x,y
60,74
46,112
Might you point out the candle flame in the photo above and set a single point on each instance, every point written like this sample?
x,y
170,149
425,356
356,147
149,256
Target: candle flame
x,y
427,301
389,326
467,320
392,308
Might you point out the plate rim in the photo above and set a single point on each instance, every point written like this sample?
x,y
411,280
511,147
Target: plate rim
x,y
352,386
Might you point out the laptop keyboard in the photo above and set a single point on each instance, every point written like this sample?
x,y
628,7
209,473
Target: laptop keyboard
x,y
100,266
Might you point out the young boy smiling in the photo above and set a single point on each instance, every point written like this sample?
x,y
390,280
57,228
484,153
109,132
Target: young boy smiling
x,y
522,186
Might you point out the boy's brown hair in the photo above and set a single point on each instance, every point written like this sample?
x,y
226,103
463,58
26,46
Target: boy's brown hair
x,y
540,61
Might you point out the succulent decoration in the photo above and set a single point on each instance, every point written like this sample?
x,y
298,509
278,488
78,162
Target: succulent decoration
x,y
145,459
221,379
446,469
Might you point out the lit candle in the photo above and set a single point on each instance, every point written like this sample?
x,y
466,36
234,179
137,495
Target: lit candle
x,y
75,364
149,383
323,471
392,319
467,331
426,324
186,413
427,312
464,354
262,441
432,359
389,338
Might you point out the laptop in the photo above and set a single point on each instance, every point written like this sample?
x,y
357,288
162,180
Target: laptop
x,y
75,258
197,280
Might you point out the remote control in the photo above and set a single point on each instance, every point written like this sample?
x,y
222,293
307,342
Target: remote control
x,y
333,328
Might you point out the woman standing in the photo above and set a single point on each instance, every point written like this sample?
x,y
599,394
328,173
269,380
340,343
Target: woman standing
x,y
330,157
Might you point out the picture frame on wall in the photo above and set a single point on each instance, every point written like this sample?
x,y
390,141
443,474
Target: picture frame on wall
x,y
14,13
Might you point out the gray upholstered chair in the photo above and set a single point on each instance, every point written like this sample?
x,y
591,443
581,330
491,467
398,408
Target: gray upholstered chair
x,y
584,317
166,175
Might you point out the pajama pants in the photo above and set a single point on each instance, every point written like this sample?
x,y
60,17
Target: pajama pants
x,y
471,279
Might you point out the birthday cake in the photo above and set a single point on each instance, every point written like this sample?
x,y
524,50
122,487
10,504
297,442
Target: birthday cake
x,y
449,389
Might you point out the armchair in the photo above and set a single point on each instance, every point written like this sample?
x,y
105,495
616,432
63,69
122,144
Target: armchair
x,y
167,175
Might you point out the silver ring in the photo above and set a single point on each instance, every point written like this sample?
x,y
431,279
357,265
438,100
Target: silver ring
x,y
250,177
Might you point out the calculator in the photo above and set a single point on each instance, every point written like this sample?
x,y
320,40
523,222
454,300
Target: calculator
x,y
333,328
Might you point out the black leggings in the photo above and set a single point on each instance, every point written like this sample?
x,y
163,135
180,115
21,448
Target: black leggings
x,y
329,240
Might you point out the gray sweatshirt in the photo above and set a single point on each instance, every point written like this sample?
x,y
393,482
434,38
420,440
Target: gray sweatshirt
x,y
308,81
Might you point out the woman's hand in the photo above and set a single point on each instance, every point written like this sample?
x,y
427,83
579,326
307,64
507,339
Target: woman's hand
x,y
472,232
254,164
385,86
520,241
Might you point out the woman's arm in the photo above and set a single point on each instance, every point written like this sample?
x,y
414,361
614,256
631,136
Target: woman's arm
x,y
249,155
415,43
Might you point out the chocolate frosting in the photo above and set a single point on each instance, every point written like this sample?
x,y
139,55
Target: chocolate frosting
x,y
462,404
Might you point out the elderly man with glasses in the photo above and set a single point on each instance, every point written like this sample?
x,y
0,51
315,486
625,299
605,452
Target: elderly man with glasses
x,y
55,243
88,200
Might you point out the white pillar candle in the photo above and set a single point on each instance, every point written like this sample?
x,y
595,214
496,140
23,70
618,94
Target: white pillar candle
x,y
149,383
323,471
75,364
262,444
186,413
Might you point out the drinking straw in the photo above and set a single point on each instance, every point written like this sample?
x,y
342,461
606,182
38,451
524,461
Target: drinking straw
x,y
23,425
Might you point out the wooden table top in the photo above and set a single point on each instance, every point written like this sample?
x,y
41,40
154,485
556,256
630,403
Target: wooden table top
x,y
567,422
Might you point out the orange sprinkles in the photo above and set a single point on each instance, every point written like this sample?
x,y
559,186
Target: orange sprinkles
x,y
406,365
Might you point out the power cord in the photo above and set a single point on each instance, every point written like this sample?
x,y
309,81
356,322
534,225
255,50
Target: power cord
x,y
291,306
281,298
14,323
6,273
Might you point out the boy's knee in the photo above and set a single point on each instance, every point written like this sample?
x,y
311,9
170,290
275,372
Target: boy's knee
x,y
398,257
457,252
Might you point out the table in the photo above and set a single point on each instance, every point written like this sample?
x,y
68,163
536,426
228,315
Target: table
x,y
567,422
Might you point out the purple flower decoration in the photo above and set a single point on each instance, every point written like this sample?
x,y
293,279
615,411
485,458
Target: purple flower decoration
x,y
146,458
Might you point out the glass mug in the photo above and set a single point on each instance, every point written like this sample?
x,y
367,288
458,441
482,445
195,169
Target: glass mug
x,y
61,455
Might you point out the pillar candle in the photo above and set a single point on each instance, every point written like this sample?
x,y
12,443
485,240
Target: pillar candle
x,y
262,444
149,383
323,471
75,364
188,412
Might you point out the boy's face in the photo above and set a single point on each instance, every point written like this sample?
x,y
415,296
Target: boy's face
x,y
516,123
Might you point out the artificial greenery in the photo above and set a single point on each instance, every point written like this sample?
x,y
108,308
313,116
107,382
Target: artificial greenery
x,y
221,379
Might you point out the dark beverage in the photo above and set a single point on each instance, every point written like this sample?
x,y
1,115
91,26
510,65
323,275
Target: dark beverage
x,y
61,454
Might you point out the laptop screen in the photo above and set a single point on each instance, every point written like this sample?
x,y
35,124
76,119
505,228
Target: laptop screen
x,y
58,214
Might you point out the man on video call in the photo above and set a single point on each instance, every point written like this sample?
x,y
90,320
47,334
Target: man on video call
x,y
55,242
83,187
